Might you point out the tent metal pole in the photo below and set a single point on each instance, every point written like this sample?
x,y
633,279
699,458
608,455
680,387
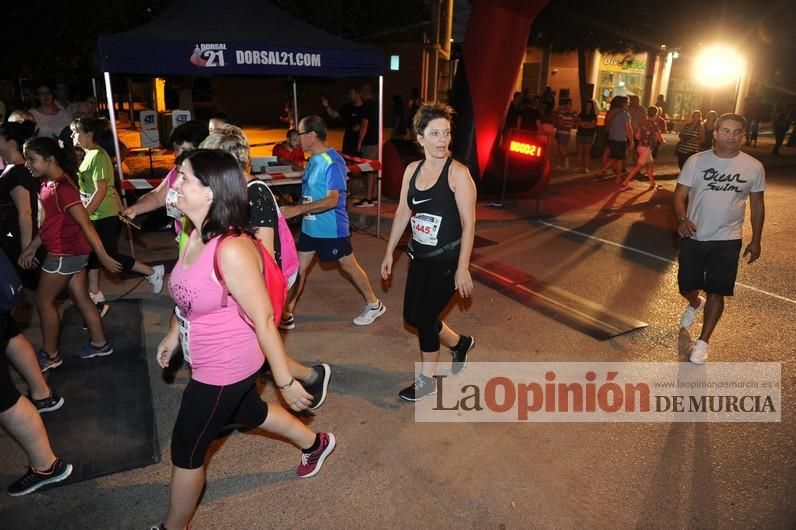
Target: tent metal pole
x,y
295,105
94,89
381,139
112,119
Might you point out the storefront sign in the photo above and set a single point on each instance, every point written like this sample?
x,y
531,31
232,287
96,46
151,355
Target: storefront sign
x,y
624,62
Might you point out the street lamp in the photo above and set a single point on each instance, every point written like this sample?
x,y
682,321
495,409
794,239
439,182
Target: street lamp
x,y
718,66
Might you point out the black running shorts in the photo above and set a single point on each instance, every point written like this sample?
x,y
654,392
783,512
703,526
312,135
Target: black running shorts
x,y
617,150
205,410
9,395
328,249
709,266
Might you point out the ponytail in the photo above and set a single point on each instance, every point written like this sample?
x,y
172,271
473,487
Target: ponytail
x,y
63,152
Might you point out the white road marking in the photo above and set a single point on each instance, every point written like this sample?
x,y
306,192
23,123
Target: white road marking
x,y
655,256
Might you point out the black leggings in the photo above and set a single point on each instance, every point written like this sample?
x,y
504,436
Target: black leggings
x,y
9,395
205,410
429,287
107,229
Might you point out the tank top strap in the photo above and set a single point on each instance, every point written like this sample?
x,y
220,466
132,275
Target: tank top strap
x,y
413,180
445,169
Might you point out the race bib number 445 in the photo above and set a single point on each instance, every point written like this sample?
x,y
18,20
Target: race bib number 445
x,y
425,228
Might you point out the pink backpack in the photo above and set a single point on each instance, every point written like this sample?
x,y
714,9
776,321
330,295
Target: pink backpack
x,y
275,282
287,245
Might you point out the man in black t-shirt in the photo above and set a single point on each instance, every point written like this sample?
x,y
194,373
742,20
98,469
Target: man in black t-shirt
x,y
351,115
368,142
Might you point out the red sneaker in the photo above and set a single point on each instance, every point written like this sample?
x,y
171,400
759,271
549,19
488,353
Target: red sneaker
x,y
311,462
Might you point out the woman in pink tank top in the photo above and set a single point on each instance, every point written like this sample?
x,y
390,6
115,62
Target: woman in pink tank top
x,y
225,350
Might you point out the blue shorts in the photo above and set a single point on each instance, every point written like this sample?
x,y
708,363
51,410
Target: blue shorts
x,y
328,249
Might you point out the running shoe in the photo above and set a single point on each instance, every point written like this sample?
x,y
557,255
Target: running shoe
x,y
369,314
99,300
460,354
365,203
46,361
287,322
699,352
690,313
89,350
34,479
311,463
156,278
103,308
422,387
319,388
48,404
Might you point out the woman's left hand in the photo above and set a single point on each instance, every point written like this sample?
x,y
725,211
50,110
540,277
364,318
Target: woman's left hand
x,y
463,282
296,397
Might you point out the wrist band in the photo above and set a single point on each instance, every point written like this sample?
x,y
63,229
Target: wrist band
x,y
292,380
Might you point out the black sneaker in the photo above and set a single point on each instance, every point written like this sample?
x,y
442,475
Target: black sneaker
x,y
422,387
460,355
33,479
318,389
48,404
288,323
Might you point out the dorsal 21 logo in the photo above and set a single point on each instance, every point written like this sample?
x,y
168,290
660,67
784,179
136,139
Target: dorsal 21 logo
x,y
208,55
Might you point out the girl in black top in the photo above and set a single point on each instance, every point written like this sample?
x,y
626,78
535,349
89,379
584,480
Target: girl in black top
x,y
587,125
18,202
708,126
438,197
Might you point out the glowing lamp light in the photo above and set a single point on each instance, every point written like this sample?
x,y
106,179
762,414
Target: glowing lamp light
x,y
529,150
718,65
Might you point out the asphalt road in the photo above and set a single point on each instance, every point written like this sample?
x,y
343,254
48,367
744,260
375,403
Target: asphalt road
x,y
390,471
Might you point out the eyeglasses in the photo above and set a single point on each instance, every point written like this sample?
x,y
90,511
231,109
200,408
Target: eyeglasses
x,y
303,133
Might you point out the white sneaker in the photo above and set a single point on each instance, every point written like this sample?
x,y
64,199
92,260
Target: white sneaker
x,y
369,314
97,298
690,313
156,278
699,352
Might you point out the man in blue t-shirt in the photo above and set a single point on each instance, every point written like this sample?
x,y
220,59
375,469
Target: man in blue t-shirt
x,y
324,228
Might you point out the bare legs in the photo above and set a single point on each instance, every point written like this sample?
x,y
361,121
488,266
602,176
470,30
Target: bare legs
x,y
584,153
78,291
187,484
50,286
94,278
714,307
23,358
348,264
359,277
23,423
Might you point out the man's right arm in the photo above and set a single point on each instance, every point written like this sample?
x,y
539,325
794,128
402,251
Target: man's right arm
x,y
685,227
327,203
329,110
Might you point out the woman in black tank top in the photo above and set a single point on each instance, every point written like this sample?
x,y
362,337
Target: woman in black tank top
x,y
438,202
